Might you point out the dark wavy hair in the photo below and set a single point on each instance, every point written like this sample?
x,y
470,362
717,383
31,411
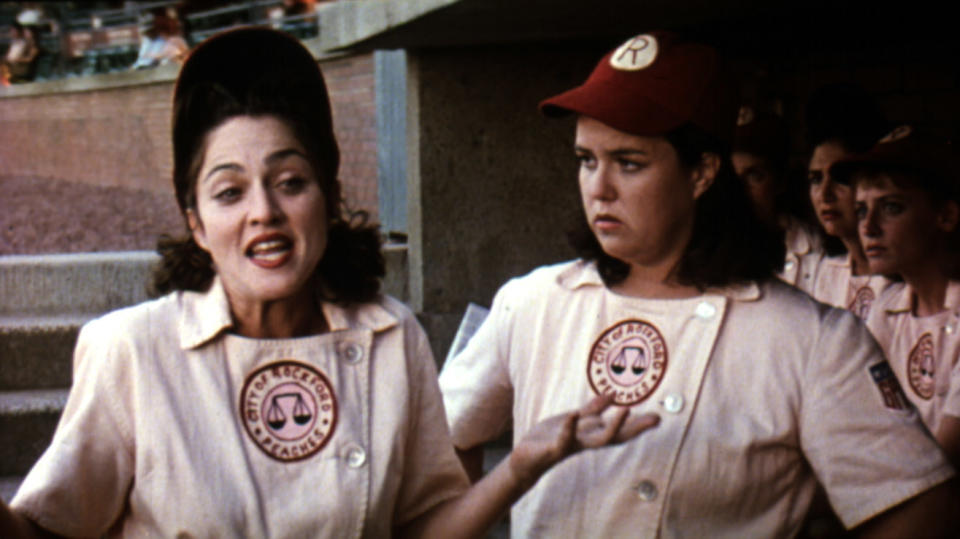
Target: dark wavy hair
x,y
729,244
352,264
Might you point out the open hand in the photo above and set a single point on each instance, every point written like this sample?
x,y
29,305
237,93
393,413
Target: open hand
x,y
560,436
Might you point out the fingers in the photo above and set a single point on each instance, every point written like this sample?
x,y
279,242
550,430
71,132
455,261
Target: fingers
x,y
597,404
634,425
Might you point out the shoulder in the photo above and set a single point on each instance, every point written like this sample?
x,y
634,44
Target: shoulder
x,y
137,320
563,276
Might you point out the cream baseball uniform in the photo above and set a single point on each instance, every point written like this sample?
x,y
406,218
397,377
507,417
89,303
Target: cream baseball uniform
x,y
803,258
176,426
836,285
923,351
755,386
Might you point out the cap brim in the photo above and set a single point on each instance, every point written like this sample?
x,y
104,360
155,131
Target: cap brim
x,y
645,117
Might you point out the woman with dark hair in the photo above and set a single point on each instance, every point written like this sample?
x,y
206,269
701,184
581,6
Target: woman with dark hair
x,y
673,308
908,205
760,157
842,120
273,392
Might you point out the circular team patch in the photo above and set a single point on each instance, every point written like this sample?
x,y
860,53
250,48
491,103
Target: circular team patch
x,y
637,53
289,409
921,367
628,360
862,301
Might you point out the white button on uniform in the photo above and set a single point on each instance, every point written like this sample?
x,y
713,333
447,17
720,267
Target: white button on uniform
x,y
646,490
789,265
673,403
705,310
950,328
356,456
351,352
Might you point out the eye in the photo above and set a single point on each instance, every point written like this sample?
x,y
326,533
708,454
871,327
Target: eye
x,y
292,185
892,208
586,160
815,177
861,211
227,195
629,165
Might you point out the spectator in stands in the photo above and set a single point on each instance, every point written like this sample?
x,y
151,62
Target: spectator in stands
x,y
162,42
22,55
274,392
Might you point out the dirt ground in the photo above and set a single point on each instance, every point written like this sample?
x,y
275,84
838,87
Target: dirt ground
x,y
53,216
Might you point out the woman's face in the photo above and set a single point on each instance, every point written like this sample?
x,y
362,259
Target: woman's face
x,y
260,211
900,227
833,202
760,182
638,197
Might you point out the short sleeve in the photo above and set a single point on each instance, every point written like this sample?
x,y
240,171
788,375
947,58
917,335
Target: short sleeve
x,y
79,485
476,386
863,438
951,405
432,471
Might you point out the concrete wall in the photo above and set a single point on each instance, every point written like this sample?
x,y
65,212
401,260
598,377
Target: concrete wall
x,y
492,182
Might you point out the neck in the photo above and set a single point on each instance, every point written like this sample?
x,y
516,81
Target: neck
x,y
929,286
654,283
858,260
278,319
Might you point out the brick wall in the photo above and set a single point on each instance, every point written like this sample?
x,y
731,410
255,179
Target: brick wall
x,y
121,136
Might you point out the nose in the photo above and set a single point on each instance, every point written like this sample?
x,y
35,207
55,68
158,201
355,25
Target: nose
x,y
828,189
597,183
264,209
870,224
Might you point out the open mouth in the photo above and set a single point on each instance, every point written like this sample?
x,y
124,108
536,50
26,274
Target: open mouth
x,y
270,252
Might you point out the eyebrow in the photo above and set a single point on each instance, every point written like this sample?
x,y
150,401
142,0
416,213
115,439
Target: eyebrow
x,y
278,155
615,152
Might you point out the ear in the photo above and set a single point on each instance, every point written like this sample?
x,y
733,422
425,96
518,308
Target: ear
x,y
948,216
705,173
196,229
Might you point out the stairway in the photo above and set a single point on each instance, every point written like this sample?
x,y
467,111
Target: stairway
x,y
44,299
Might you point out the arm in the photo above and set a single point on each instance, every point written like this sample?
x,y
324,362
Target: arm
x,y
16,526
931,514
547,443
948,435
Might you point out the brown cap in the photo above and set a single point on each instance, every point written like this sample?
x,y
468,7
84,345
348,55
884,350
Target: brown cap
x,y
653,84
256,68
906,149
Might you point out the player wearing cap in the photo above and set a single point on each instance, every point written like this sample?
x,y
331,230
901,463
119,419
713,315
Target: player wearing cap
x,y
908,204
673,307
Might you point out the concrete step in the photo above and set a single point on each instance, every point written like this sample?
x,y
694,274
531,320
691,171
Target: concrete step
x,y
73,284
37,352
27,421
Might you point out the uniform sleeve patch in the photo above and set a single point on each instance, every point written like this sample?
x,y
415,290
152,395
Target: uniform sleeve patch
x,y
889,387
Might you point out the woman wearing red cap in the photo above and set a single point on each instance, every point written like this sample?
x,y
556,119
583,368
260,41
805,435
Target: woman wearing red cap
x,y
273,392
908,204
673,308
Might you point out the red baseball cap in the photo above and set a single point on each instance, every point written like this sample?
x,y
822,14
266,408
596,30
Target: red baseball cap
x,y
907,149
652,84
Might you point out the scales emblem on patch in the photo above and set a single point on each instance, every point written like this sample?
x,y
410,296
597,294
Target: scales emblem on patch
x,y
289,409
862,301
628,361
921,367
636,54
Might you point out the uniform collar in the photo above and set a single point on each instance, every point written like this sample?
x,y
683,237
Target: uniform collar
x,y
839,261
205,315
903,303
584,274
799,238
